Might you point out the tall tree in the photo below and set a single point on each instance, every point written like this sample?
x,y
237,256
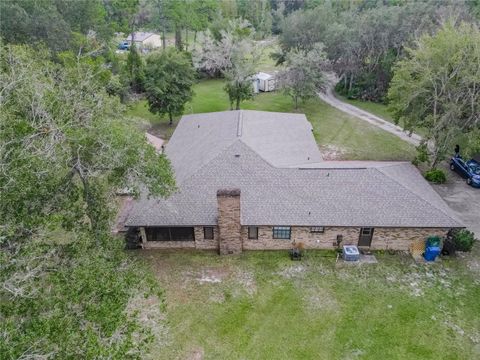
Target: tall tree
x,y
65,146
136,69
304,75
438,87
233,56
168,85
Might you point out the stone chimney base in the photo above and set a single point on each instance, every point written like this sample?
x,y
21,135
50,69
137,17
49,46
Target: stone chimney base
x,y
230,241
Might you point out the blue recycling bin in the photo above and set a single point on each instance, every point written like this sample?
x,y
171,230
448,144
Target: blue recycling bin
x,y
431,253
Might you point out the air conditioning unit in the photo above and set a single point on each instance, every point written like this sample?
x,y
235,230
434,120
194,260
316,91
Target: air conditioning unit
x,y
351,253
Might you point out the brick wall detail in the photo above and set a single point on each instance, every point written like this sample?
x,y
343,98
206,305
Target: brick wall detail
x,y
383,238
230,241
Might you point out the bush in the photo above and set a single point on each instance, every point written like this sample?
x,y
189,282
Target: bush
x,y
463,240
80,302
436,176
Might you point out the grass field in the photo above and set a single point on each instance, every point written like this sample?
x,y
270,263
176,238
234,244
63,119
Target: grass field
x,y
261,305
339,135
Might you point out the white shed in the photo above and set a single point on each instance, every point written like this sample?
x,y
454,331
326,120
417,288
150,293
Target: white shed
x,y
266,82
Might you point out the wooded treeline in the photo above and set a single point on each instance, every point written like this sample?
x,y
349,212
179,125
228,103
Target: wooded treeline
x,y
364,40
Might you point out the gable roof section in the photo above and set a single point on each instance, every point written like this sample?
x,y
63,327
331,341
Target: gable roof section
x,y
281,139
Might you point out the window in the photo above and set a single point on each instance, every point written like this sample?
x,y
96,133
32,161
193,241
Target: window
x,y
367,231
253,232
170,234
158,234
181,234
208,233
317,229
281,232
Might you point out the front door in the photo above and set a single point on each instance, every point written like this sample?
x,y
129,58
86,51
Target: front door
x,y
365,238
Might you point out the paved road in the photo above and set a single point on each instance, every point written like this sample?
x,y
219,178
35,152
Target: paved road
x,y
329,97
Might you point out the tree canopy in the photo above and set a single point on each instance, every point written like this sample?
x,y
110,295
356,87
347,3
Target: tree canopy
x,y
65,146
304,76
437,86
233,55
168,85
65,149
364,40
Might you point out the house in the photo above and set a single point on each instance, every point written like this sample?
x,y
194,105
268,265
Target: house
x,y
252,180
266,82
145,40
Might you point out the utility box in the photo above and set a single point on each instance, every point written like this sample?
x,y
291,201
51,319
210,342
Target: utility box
x,y
350,253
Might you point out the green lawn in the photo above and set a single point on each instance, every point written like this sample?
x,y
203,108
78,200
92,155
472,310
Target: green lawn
x,y
261,305
339,135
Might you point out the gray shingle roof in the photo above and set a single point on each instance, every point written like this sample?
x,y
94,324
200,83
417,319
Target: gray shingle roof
x,y
275,191
281,139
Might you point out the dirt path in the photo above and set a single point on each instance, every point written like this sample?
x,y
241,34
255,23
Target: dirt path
x,y
155,141
330,99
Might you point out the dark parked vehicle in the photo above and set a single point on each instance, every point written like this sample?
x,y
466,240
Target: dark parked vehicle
x,y
124,45
470,170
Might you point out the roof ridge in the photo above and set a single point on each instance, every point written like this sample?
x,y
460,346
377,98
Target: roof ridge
x,y
239,123
418,196
361,164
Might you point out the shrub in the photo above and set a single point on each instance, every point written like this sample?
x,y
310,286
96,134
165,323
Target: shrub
x,y
463,240
436,176
75,302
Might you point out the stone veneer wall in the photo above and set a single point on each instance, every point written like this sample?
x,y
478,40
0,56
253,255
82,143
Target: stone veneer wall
x,y
402,238
201,243
299,234
229,239
383,238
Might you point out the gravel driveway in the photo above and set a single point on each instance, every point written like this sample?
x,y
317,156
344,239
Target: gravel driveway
x,y
329,97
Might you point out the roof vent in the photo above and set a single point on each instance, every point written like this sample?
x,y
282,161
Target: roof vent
x,y
237,155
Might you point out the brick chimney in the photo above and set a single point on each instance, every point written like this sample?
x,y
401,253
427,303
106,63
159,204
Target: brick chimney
x,y
230,241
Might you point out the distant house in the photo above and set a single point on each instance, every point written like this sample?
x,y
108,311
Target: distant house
x,y
266,82
253,180
145,40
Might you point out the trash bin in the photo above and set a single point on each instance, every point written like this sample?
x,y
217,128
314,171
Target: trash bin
x,y
433,241
431,253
